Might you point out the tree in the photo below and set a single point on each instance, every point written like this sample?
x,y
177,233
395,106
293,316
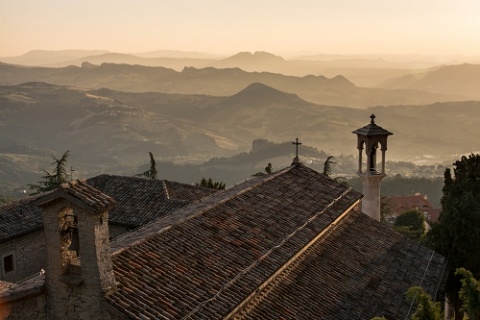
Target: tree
x,y
327,166
456,235
211,184
469,294
51,181
411,223
152,172
427,309
268,170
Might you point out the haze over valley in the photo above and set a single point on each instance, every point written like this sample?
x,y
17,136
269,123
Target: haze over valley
x,y
224,95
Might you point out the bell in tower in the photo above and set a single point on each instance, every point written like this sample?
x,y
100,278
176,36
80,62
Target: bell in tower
x,y
371,138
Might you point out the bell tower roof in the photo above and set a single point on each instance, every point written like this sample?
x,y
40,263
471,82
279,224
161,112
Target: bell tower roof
x,y
81,194
372,129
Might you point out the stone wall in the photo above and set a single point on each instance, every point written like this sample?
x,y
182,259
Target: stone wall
x,y
29,255
76,287
27,308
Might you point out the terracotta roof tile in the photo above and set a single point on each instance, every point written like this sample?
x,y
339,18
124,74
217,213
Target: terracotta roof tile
x,y
80,193
212,255
19,218
139,201
400,204
30,286
361,270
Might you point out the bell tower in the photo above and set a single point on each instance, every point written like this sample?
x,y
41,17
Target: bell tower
x,y
371,138
79,269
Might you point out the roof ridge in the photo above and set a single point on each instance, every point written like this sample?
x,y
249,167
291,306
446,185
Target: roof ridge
x,y
290,263
188,212
165,189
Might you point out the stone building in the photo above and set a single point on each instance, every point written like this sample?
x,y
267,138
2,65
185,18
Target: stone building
x,y
397,205
139,201
292,244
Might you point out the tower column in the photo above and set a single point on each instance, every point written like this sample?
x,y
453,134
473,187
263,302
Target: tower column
x,y
371,191
373,137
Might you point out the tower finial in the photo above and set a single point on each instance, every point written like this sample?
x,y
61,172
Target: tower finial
x,y
373,119
296,160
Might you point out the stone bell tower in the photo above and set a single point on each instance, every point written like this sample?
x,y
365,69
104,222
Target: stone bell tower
x,y
371,138
79,269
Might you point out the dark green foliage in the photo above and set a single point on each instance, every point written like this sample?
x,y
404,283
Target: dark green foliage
x,y
469,294
57,177
152,172
211,184
268,170
457,235
411,223
327,166
426,308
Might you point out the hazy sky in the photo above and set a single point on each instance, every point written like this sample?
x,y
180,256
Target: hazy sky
x,y
439,27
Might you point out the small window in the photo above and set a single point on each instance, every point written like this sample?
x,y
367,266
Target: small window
x,y
8,263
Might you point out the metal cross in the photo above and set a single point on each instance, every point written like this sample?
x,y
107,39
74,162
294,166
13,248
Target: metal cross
x,y
296,143
373,119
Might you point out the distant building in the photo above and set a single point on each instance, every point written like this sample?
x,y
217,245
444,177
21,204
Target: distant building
x,y
397,205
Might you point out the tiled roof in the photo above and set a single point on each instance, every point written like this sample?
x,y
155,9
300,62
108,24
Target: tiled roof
x,y
400,204
359,271
433,214
13,291
81,193
19,218
139,201
214,254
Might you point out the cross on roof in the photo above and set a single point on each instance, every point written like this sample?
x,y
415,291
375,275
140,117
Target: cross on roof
x,y
373,119
296,143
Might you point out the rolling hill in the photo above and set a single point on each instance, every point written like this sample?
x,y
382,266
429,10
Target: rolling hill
x,y
111,131
462,80
337,91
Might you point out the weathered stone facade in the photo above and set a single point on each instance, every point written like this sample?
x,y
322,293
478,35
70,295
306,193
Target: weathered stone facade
x,y
76,285
32,307
28,255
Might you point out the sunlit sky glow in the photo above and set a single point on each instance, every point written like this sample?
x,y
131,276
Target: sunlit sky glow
x,y
431,27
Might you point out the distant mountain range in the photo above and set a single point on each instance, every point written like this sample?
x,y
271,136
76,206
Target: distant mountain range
x,y
462,80
110,131
363,70
198,114
337,91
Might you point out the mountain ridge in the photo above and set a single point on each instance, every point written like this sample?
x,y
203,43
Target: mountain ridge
x,y
337,91
462,79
